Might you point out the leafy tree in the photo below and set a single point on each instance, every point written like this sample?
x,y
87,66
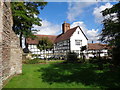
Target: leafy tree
x,y
111,26
72,57
111,30
24,17
45,44
82,54
83,48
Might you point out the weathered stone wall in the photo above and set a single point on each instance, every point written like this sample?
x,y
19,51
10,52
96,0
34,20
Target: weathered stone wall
x,y
10,51
15,55
0,45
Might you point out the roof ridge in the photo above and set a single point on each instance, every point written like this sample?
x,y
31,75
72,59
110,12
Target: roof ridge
x,y
73,28
66,35
44,35
70,29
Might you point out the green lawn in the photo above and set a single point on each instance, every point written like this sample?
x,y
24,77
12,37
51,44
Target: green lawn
x,y
65,76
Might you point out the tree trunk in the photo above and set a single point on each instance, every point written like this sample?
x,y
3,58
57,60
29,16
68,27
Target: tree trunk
x,y
21,39
26,45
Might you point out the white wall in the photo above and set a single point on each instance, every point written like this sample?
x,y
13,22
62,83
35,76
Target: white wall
x,y
77,36
33,49
23,42
42,54
104,53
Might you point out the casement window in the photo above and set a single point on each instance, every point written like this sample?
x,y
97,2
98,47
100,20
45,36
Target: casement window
x,y
65,43
78,42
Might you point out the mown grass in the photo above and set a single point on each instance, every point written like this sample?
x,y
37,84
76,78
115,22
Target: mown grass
x,y
39,61
65,76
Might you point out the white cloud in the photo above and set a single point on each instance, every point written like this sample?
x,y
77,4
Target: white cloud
x,y
48,28
76,8
98,14
91,34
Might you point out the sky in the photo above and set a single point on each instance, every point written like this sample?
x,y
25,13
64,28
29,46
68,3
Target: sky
x,y
84,14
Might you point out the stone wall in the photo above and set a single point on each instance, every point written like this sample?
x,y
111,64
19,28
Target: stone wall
x,y
10,51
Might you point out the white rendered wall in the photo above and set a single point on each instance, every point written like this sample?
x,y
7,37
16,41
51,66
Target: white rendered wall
x,y
77,36
42,54
104,53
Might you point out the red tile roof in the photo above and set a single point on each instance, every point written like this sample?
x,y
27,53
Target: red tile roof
x,y
97,46
53,38
67,34
38,37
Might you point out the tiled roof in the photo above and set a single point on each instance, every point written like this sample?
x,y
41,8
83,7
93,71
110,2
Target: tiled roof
x,y
97,46
53,38
38,37
67,34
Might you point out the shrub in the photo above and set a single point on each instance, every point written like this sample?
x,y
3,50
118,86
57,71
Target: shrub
x,y
72,57
26,50
116,56
31,61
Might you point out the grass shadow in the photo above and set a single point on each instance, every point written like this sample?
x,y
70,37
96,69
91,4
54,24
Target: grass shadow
x,y
87,74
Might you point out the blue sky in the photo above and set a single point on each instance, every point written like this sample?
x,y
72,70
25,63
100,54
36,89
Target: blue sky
x,y
85,14
54,12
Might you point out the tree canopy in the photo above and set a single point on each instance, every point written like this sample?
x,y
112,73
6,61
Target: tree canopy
x,y
111,25
25,16
45,44
111,31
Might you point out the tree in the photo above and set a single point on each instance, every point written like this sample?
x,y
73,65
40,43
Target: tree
x,y
24,17
72,57
45,44
111,26
111,30
82,54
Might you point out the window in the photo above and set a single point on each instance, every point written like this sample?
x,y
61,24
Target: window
x,y
78,32
65,42
78,42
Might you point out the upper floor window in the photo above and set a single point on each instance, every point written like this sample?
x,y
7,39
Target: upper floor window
x,y
66,42
78,42
78,32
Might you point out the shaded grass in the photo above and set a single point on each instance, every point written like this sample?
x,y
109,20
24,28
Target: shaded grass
x,y
39,61
65,76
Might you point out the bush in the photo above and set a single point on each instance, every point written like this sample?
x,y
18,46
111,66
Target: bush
x,y
31,61
116,56
26,50
72,57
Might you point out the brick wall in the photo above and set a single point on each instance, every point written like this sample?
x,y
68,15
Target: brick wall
x,y
10,51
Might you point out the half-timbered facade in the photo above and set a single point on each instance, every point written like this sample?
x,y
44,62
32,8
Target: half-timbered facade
x,y
32,45
71,40
97,49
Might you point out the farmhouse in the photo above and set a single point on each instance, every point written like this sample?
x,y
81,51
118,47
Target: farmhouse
x,y
70,40
32,43
96,49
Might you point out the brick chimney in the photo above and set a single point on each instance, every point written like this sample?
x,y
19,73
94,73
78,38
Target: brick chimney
x,y
65,27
